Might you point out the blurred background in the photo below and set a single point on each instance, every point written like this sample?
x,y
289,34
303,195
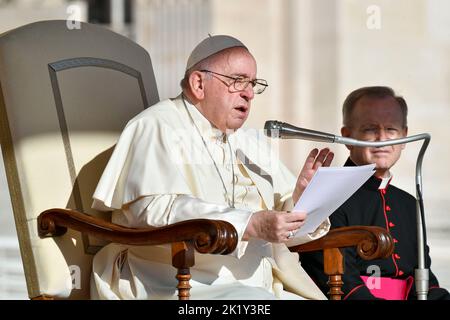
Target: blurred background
x,y
313,53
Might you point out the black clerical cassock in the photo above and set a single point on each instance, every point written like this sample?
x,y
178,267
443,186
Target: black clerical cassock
x,y
388,207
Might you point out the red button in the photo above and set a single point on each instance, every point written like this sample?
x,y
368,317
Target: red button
x,y
388,208
400,273
395,240
391,224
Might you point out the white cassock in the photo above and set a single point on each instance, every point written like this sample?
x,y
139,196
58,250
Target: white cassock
x,y
162,172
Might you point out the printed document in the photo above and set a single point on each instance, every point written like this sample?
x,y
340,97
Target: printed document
x,y
328,189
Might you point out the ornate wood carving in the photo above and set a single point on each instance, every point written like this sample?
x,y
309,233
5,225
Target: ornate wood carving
x,y
333,263
207,236
203,235
183,258
371,242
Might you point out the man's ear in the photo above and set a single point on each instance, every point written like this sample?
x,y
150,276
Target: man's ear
x,y
346,132
197,85
404,134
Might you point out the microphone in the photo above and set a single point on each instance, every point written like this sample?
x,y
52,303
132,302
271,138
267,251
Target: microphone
x,y
277,129
282,130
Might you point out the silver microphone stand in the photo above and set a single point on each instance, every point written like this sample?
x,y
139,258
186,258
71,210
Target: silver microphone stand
x,y
287,131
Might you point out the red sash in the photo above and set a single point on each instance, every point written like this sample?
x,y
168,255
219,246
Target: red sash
x,y
388,288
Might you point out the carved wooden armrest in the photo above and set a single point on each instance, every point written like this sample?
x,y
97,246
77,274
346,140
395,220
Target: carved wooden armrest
x,y
203,235
371,243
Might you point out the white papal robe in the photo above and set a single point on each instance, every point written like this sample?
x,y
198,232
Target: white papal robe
x,y
170,165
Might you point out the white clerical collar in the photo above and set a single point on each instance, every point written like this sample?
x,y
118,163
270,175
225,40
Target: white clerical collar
x,y
384,182
207,129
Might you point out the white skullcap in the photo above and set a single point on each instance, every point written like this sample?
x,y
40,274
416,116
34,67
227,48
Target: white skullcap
x,y
210,46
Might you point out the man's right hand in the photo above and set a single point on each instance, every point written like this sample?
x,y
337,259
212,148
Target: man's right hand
x,y
274,226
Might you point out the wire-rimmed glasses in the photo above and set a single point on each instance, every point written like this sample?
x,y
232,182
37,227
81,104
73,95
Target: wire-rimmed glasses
x,y
241,83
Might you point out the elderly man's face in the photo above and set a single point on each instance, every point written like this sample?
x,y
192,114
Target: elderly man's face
x,y
376,119
224,106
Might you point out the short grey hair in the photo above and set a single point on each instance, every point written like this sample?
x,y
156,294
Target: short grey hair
x,y
202,65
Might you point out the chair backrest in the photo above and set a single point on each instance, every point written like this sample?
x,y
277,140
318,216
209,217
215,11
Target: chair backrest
x,y
65,96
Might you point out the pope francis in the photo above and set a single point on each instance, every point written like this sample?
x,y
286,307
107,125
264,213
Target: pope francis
x,y
188,158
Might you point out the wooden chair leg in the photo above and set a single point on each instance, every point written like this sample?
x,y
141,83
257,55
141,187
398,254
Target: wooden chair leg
x,y
334,268
182,259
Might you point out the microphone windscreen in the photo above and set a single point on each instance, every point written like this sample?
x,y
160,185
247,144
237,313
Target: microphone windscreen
x,y
272,128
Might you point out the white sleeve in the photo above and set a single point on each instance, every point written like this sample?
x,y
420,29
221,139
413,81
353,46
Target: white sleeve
x,y
161,210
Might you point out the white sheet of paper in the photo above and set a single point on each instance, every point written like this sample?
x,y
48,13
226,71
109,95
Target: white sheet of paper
x,y
328,189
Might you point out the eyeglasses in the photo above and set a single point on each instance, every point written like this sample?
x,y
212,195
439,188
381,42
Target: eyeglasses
x,y
240,83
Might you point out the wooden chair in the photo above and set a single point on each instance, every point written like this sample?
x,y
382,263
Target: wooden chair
x,y
65,96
